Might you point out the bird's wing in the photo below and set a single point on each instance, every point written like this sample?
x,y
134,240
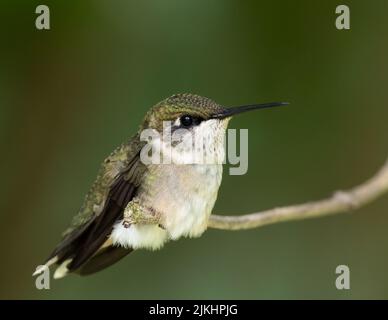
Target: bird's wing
x,y
104,205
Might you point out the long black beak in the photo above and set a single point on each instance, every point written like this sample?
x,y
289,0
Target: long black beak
x,y
240,109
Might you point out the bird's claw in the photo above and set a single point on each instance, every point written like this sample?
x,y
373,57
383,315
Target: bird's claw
x,y
126,224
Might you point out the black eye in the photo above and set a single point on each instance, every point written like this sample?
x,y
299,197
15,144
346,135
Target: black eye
x,y
186,121
189,121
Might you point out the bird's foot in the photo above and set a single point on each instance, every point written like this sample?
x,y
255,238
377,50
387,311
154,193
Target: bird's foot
x,y
126,223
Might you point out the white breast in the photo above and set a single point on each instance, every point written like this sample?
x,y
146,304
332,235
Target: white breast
x,y
187,199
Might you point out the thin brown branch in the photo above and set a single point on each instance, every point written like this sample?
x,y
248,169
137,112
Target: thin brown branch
x,y
340,202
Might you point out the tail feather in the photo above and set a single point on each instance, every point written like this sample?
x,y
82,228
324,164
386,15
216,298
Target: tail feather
x,y
62,270
104,259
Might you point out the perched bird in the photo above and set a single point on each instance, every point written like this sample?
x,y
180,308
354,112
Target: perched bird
x,y
134,205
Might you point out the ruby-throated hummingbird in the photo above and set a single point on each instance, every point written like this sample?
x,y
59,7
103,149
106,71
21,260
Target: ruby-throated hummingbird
x,y
134,205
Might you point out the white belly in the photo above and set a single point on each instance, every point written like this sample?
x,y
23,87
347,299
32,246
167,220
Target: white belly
x,y
184,195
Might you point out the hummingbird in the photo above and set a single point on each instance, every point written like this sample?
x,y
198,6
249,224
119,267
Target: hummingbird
x,y
135,205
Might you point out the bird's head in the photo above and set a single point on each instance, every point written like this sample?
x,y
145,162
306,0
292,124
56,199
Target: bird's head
x,y
188,117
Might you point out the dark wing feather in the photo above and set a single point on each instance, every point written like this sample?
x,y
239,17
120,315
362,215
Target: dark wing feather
x,y
83,242
103,259
118,198
71,241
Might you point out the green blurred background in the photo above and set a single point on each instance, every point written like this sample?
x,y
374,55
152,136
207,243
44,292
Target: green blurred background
x,y
70,95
